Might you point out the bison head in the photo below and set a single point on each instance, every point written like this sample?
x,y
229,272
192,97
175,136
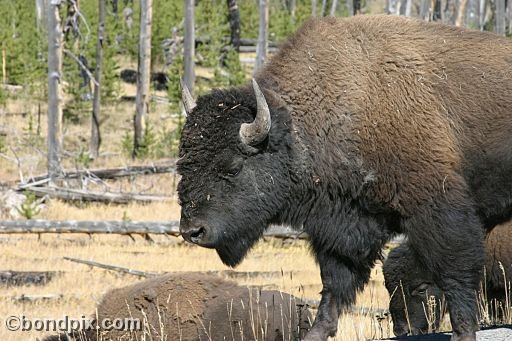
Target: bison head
x,y
234,169
415,299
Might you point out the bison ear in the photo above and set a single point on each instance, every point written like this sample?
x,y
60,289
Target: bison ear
x,y
257,131
186,98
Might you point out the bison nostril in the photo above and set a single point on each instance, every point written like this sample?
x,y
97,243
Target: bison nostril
x,y
197,235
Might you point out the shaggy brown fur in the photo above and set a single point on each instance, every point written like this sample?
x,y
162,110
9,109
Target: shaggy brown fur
x,y
194,307
401,270
380,124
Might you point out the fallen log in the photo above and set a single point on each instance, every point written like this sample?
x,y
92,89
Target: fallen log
x,y
252,49
254,41
106,197
37,297
11,87
119,227
89,227
18,278
22,113
107,173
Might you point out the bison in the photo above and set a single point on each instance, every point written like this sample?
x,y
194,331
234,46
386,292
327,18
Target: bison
x,y
358,129
408,282
195,307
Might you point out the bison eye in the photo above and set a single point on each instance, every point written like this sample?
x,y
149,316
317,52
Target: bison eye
x,y
234,168
421,290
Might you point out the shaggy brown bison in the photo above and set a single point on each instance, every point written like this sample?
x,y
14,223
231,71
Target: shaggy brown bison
x,y
356,129
195,307
408,282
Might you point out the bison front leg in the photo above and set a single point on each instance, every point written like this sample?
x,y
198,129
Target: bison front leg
x,y
341,281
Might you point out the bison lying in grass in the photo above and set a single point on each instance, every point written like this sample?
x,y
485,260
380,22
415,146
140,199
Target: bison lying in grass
x,y
424,300
194,306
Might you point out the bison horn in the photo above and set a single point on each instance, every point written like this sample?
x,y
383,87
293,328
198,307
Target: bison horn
x,y
186,98
255,132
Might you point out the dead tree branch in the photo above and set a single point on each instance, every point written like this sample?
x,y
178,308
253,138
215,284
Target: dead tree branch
x,y
112,267
83,195
105,173
82,66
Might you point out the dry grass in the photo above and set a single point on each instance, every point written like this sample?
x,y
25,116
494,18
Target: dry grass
x,y
83,286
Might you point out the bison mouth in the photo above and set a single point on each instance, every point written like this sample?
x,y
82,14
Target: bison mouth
x,y
232,242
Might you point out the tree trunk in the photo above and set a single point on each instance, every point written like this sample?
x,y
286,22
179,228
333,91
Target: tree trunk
x,y
55,41
500,17
356,7
393,8
334,7
4,66
509,16
262,46
436,10
72,22
143,75
234,24
293,7
313,8
40,10
350,7
461,13
482,13
408,8
425,9
189,46
324,8
95,121
115,7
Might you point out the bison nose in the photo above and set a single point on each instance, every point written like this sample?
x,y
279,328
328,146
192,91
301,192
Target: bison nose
x,y
195,235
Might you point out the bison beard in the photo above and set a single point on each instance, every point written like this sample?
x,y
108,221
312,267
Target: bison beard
x,y
355,130
233,249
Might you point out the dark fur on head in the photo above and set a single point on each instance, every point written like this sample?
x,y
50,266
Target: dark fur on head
x,y
402,271
230,186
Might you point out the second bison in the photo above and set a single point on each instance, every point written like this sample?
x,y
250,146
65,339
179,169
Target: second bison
x,y
194,307
416,304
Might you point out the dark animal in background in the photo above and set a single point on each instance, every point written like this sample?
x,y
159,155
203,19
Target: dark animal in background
x,y
195,307
158,79
402,270
357,129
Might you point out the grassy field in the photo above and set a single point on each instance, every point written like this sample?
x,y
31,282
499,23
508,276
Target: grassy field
x,y
83,286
